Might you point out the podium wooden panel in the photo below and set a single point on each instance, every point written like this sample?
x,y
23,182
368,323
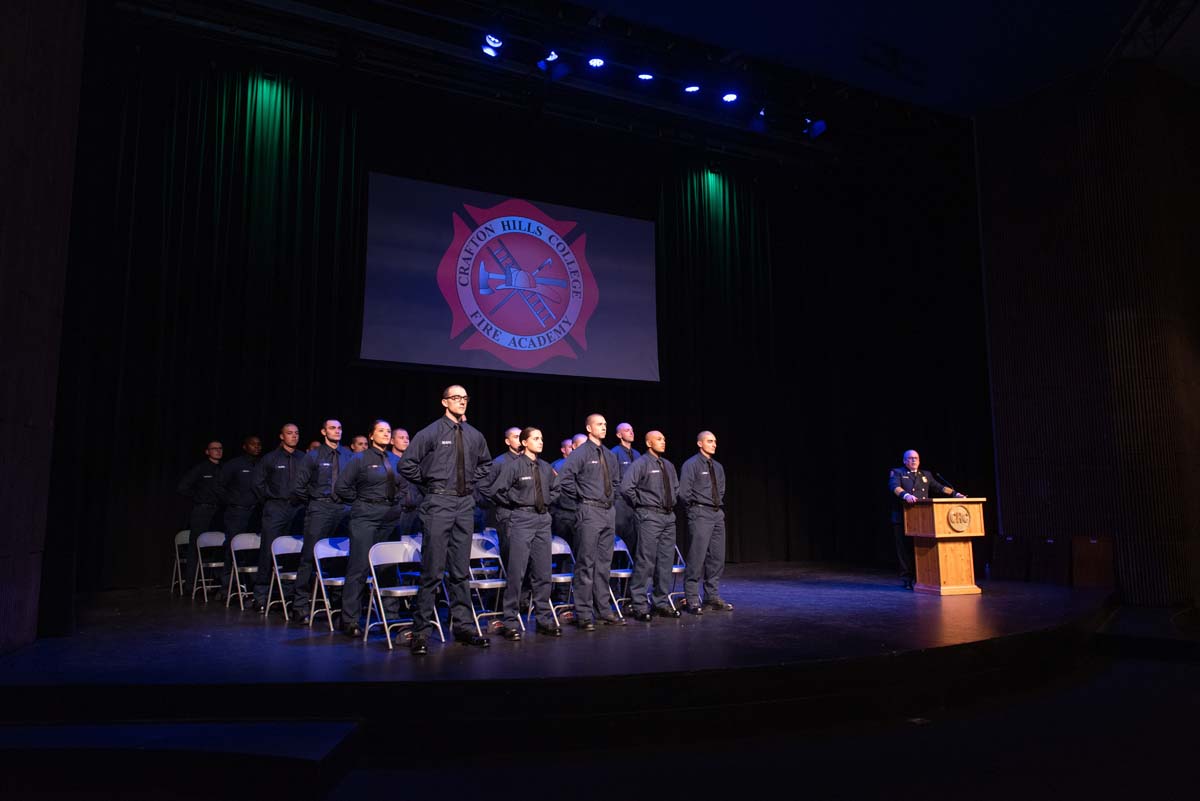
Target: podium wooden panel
x,y
942,530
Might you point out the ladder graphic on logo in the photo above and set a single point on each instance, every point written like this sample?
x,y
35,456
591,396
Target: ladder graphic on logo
x,y
521,283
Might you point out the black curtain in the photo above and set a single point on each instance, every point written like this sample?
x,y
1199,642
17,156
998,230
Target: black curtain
x,y
215,290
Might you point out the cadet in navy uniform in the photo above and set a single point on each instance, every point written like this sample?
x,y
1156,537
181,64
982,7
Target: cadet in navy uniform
x,y
702,491
910,484
408,496
650,486
280,516
626,455
369,483
589,476
447,459
203,485
497,516
313,484
237,477
525,486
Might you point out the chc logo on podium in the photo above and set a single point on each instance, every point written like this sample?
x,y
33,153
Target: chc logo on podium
x,y
515,279
958,518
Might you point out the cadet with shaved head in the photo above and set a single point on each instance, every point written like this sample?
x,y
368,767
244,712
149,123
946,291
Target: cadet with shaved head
x,y
649,487
589,477
203,485
702,492
325,515
626,455
273,479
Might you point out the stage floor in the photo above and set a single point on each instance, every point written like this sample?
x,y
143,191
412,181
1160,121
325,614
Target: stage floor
x,y
787,614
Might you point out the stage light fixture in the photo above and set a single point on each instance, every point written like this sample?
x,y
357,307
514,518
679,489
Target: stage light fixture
x,y
551,56
596,62
645,76
762,112
691,90
490,51
493,41
729,97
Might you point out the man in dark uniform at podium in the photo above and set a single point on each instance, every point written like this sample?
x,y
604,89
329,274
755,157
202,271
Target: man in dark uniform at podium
x,y
908,485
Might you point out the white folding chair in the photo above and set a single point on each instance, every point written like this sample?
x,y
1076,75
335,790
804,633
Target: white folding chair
x,y
558,575
182,540
325,550
620,572
210,541
677,570
242,543
487,574
284,545
399,557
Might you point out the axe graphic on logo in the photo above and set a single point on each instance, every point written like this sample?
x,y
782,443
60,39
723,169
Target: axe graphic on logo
x,y
522,315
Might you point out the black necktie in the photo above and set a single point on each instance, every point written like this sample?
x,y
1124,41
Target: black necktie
x,y
460,461
539,500
666,482
604,472
333,473
712,477
391,479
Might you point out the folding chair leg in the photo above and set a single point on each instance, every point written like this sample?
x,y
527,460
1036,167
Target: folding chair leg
x,y
312,602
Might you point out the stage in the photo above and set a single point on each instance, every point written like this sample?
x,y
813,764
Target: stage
x,y
806,646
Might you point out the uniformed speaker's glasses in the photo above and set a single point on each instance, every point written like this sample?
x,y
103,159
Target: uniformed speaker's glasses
x,y
463,398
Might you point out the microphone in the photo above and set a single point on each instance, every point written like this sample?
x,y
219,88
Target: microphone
x,y
944,482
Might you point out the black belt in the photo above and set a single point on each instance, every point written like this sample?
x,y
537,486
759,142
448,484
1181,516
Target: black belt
x,y
657,509
705,505
324,499
239,506
451,494
597,504
381,500
529,506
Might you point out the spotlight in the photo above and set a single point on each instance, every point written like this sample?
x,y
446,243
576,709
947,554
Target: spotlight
x,y
645,76
729,98
551,56
489,51
691,89
762,112
596,62
493,41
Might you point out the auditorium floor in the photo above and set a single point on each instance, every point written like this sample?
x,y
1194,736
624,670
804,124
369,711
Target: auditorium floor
x,y
785,614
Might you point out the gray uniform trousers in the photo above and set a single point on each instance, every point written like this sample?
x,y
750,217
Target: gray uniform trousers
x,y
528,557
655,556
594,531
446,547
706,552
279,519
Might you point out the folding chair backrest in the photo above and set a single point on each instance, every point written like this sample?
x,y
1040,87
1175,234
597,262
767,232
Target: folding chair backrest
x,y
210,539
288,543
394,553
490,535
183,537
245,542
559,546
482,548
619,545
331,548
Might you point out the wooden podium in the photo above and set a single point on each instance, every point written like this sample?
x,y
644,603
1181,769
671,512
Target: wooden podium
x,y
942,530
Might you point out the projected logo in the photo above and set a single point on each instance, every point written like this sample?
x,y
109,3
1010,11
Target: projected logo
x,y
512,276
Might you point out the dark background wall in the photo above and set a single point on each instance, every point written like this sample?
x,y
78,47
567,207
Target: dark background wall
x,y
820,314
1089,207
41,50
